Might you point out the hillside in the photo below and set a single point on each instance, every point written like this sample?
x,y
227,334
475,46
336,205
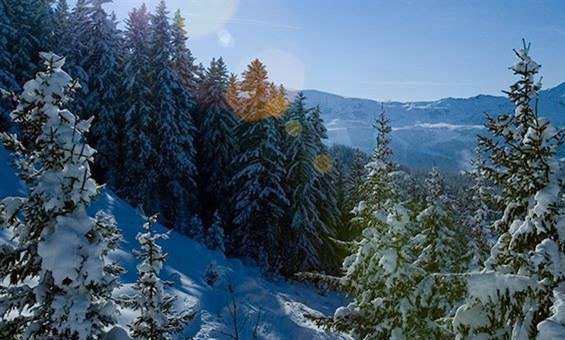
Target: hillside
x,y
441,132
278,305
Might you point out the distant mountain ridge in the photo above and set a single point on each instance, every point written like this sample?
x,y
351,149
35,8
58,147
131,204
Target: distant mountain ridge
x,y
427,133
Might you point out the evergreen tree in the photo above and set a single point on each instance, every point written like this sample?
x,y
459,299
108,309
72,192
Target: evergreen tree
x,y
25,30
60,281
307,229
439,247
72,44
138,175
375,188
62,29
481,212
157,320
183,61
173,130
215,234
523,277
325,193
259,172
357,178
380,276
102,61
217,143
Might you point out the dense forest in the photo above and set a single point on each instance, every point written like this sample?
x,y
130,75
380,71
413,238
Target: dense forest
x,y
239,164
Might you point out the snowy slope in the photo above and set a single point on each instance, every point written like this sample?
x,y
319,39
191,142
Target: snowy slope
x,y
280,306
441,133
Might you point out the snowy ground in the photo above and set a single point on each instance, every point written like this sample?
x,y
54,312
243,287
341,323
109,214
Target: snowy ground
x,y
278,306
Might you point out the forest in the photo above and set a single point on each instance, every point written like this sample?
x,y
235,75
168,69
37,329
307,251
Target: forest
x,y
243,166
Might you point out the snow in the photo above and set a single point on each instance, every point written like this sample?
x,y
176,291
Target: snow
x,y
485,286
282,304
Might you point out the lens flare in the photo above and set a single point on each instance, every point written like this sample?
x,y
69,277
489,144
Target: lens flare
x,y
207,17
293,128
323,163
225,39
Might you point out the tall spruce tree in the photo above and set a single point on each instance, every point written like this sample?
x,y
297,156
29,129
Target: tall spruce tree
x,y
138,175
325,186
102,61
260,198
523,277
217,144
173,129
308,231
59,280
183,61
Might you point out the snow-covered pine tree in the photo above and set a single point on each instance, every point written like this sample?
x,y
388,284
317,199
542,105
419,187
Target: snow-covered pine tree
x,y
139,178
374,188
173,130
57,280
215,234
439,245
441,257
524,275
344,230
481,211
217,144
325,186
380,278
308,233
71,39
25,27
99,54
31,24
183,61
62,29
260,200
156,320
357,178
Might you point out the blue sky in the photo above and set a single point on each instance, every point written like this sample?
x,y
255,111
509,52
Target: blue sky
x,y
384,50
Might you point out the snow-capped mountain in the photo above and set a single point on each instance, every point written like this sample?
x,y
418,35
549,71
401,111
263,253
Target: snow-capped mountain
x,y
441,133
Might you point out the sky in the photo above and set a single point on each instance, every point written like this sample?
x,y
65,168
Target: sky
x,y
383,50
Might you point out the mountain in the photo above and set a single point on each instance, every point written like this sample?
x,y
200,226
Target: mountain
x,y
275,306
441,133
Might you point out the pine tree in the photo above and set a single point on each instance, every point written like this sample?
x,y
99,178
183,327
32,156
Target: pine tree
x,y
308,231
157,320
523,277
174,128
439,249
357,178
183,61
215,234
217,146
139,178
375,189
25,28
325,186
56,244
481,212
380,276
259,172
